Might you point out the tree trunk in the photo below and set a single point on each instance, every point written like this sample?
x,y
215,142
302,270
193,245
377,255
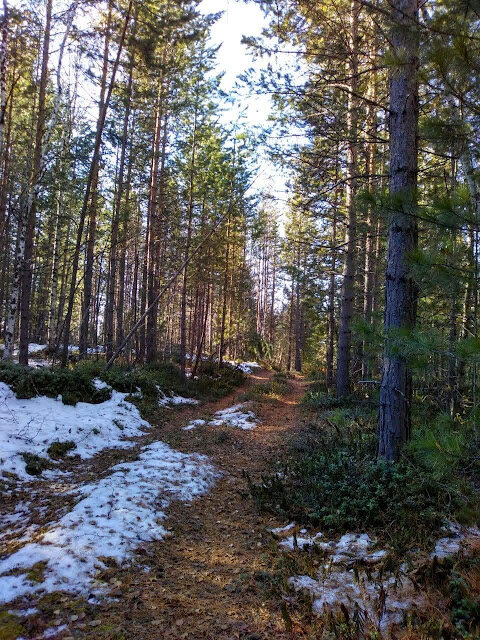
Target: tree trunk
x,y
86,199
30,214
92,218
183,318
348,287
332,287
394,425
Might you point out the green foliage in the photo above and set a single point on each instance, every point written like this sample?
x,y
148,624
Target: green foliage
x,y
317,398
339,486
415,346
217,382
274,388
468,348
10,627
465,609
259,348
448,447
58,450
34,465
74,385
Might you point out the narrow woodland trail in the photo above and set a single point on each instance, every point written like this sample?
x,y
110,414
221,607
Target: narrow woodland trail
x,y
207,581
209,577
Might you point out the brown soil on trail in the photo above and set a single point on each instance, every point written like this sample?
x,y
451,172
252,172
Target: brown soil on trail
x,y
209,579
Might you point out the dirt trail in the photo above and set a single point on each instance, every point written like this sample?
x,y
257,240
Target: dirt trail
x,y
208,579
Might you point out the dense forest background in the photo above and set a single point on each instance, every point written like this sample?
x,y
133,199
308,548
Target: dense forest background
x,y
124,195
304,346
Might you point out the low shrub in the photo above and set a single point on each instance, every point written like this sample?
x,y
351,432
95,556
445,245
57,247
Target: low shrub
x,y
74,385
340,486
448,445
217,382
35,465
277,386
58,450
317,399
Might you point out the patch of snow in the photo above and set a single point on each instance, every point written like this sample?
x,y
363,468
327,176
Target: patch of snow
x,y
100,384
32,425
451,544
39,364
113,516
246,367
278,530
35,348
301,542
23,612
337,582
231,417
51,632
352,546
173,400
338,587
194,424
235,417
98,349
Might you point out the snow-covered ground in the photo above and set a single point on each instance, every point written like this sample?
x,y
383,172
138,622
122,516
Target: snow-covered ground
x,y
173,400
113,516
33,425
108,517
339,583
235,416
246,367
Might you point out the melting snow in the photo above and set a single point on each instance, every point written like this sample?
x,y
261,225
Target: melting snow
x,y
113,516
338,587
173,400
231,417
235,417
35,348
336,583
32,425
298,542
246,367
451,544
284,529
51,632
194,424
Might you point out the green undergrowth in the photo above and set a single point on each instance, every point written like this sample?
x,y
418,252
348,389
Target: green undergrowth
x,y
10,626
35,465
276,387
332,480
75,384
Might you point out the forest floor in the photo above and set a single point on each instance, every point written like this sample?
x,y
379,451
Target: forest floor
x,y
210,577
208,580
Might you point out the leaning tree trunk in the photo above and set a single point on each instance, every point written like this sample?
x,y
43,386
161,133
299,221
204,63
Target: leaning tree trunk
x,y
88,190
394,424
92,215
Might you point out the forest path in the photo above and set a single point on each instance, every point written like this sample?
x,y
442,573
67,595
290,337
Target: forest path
x,y
208,579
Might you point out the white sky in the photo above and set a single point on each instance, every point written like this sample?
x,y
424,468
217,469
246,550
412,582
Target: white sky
x,y
238,19
244,19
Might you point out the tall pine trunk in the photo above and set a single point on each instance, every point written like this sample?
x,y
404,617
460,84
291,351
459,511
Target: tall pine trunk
x,y
30,214
92,218
348,287
394,424
183,315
